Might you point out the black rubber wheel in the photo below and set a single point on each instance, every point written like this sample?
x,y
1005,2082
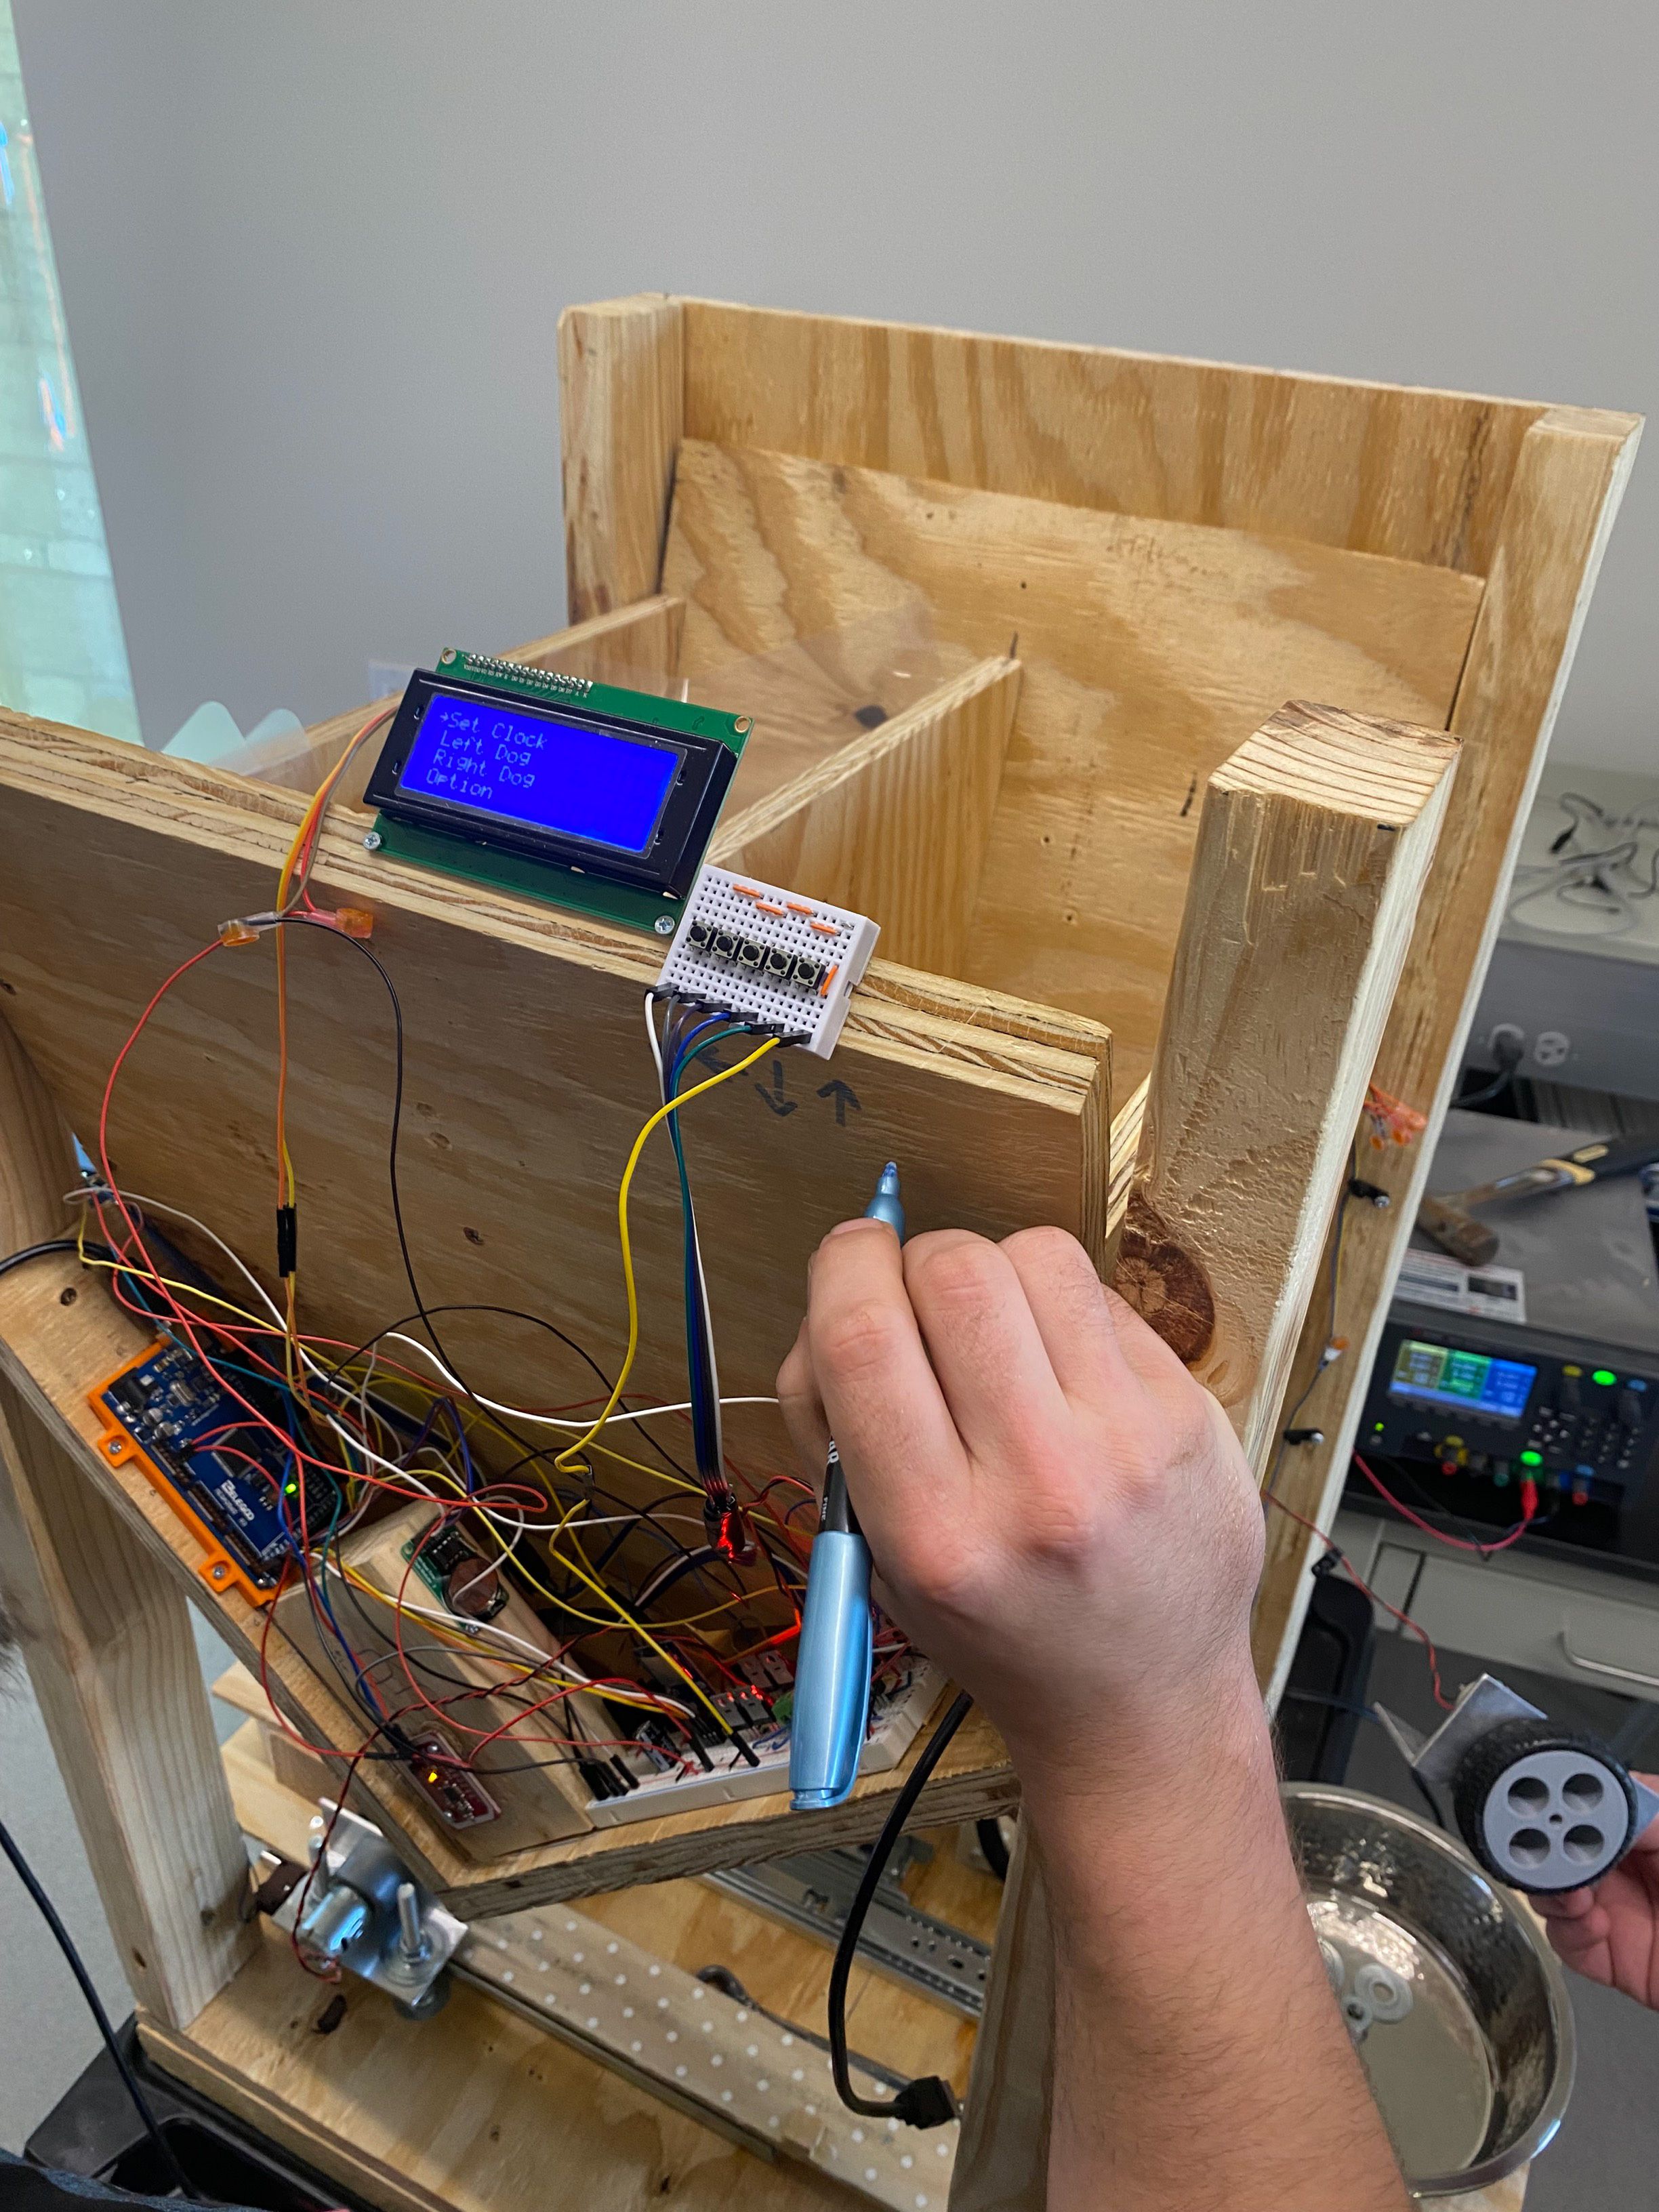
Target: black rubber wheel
x,y
1542,1809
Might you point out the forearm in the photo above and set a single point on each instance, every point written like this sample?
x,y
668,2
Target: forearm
x,y
1198,2058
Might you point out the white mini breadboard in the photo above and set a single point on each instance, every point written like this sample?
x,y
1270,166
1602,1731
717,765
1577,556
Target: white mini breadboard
x,y
769,955
896,1718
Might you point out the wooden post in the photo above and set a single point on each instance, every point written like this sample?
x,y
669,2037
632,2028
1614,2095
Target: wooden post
x,y
1313,847
1568,481
1002,2157
621,385
107,1638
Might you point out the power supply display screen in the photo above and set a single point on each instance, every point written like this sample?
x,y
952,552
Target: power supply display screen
x,y
1470,1381
594,784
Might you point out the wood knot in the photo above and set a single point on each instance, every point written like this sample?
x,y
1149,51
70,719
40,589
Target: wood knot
x,y
1164,1283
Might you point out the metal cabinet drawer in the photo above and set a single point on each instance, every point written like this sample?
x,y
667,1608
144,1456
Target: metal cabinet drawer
x,y
1517,1619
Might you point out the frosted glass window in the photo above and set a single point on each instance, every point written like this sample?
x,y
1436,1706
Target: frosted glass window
x,y
61,653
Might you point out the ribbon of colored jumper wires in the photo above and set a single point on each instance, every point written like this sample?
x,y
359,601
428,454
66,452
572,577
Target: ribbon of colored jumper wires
x,y
313,1392
172,1299
689,1034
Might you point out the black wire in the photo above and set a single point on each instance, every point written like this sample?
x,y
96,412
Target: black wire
x,y
1481,1534
723,1978
989,1834
306,921
1370,1713
927,2101
1289,1421
1500,1083
49,1245
536,1320
532,1451
94,2004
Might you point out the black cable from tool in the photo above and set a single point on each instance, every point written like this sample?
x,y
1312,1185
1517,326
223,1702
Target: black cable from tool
x,y
995,1852
61,1935
49,1245
1509,1053
926,2102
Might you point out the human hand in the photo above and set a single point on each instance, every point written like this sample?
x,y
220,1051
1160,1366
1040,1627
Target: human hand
x,y
1609,1933
1056,1511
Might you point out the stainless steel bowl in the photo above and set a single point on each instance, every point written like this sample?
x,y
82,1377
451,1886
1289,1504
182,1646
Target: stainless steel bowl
x,y
1473,2082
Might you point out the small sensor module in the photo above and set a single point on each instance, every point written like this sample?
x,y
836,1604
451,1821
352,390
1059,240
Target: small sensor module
x,y
594,798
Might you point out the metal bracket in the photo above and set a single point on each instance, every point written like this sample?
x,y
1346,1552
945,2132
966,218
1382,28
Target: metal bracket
x,y
813,1892
1482,1705
360,1909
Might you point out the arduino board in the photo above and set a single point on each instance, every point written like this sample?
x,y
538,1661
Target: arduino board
x,y
233,1483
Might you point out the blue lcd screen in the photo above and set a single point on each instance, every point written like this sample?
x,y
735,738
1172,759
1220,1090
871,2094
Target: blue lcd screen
x,y
1470,1381
594,784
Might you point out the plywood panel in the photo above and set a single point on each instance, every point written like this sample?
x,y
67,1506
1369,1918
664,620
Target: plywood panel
x,y
527,1079
1149,652
526,1076
1379,468
1565,493
474,2111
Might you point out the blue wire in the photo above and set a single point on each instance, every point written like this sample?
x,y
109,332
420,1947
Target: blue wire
x,y
319,1587
460,1437
704,1426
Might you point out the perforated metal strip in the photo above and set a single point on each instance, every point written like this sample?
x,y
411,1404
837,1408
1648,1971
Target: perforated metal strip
x,y
731,2065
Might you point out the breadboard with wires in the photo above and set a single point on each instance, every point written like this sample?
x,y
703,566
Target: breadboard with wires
x,y
899,1706
770,955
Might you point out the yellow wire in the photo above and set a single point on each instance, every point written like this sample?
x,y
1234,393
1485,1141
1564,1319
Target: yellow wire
x,y
461,1642
562,1460
624,1619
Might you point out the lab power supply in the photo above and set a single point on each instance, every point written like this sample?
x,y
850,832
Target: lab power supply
x,y
1541,1368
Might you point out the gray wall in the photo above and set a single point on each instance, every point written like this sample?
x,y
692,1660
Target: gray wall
x,y
313,255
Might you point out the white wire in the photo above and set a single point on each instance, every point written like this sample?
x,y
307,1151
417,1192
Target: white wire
x,y
470,1629
1608,874
390,1335
518,1527
552,1420
83,1194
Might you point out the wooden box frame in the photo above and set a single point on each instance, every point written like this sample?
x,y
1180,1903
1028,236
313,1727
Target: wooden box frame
x,y
804,429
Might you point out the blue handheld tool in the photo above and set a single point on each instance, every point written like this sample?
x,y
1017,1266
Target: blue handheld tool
x,y
831,1709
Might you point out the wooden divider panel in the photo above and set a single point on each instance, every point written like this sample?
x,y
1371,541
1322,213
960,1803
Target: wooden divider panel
x,y
894,825
1149,652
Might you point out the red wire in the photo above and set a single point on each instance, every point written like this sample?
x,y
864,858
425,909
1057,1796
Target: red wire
x,y
1404,1618
1529,1514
